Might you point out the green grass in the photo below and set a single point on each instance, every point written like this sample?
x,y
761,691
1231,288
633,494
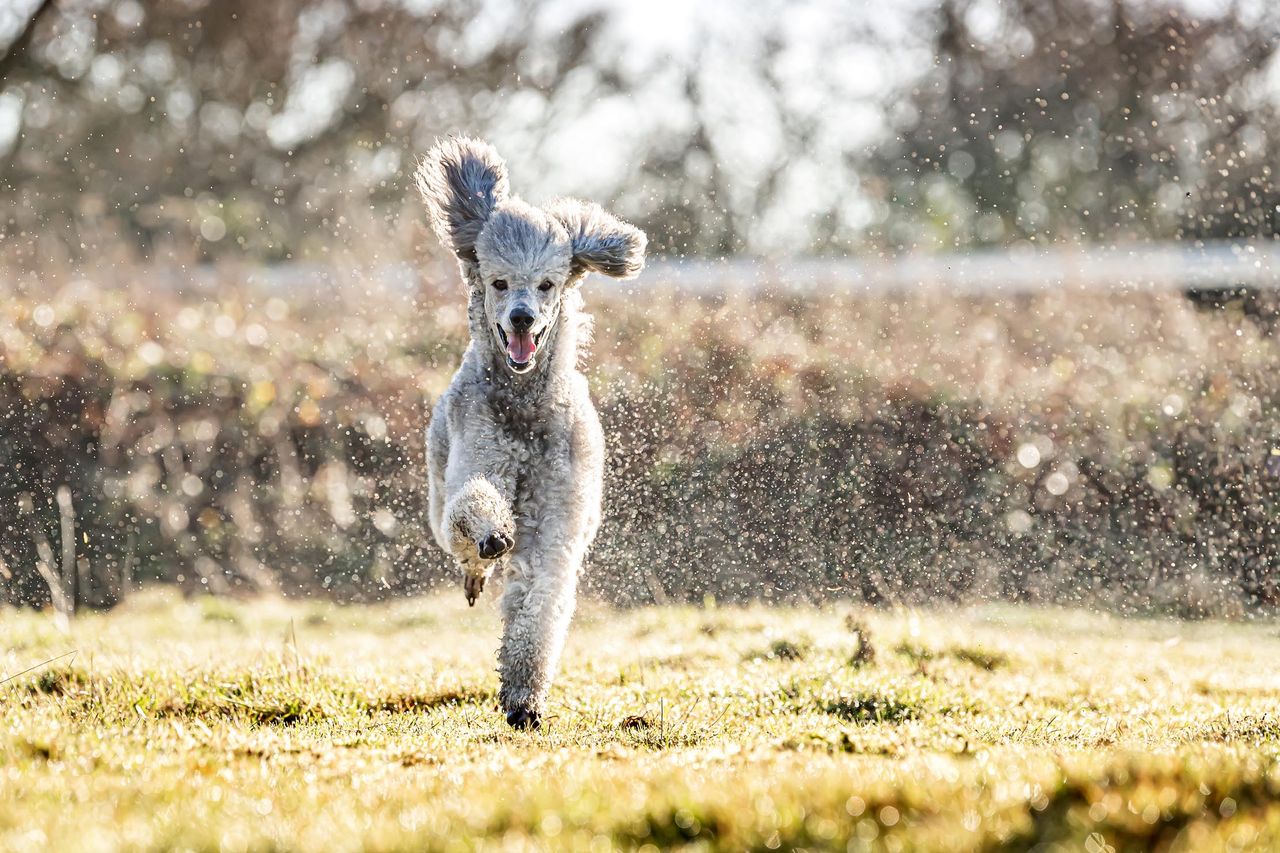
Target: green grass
x,y
208,725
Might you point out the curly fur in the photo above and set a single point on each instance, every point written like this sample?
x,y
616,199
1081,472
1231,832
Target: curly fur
x,y
462,182
514,449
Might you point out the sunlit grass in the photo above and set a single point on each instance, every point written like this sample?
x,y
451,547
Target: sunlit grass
x,y
204,724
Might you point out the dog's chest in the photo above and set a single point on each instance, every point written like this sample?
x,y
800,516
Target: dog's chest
x,y
538,458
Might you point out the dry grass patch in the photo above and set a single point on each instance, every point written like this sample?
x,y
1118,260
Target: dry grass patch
x,y
272,725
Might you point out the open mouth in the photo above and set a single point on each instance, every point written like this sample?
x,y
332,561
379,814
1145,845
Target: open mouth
x,y
522,348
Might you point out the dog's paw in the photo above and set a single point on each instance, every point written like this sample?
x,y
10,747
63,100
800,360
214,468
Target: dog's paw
x,y
473,585
494,546
524,719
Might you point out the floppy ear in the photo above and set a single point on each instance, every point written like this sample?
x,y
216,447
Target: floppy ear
x,y
601,242
461,180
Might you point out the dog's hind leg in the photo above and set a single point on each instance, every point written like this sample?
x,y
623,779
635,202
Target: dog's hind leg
x,y
537,606
542,582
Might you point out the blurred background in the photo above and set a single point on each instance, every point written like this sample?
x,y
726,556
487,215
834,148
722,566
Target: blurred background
x,y
950,300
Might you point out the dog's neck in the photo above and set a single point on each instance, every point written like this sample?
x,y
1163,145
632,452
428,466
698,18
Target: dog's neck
x,y
559,359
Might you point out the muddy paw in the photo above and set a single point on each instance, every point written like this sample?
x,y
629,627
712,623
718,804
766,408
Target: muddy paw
x,y
473,585
524,718
494,546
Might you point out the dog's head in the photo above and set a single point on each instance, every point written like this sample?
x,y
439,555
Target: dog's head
x,y
523,258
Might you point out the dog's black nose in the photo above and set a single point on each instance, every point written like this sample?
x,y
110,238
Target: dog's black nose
x,y
521,320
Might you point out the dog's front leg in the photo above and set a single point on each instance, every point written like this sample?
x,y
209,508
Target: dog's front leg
x,y
481,531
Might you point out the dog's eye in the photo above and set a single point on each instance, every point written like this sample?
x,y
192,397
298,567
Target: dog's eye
x,y
546,285
499,284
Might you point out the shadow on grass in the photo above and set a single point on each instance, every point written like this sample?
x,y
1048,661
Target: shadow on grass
x,y
408,703
58,682
781,650
870,708
982,658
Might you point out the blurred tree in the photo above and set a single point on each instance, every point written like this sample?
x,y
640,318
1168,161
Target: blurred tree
x,y
1106,120
197,129
246,127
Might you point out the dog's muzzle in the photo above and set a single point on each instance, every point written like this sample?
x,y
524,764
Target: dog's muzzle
x,y
521,347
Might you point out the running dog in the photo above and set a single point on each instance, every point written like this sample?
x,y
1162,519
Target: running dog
x,y
515,452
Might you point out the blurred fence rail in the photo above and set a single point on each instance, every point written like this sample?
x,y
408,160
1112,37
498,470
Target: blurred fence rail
x,y
1220,265
1158,266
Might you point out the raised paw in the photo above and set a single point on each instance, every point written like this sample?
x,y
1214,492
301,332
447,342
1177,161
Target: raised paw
x,y
524,718
473,585
494,546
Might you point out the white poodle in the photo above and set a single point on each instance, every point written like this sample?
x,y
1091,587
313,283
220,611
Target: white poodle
x,y
514,449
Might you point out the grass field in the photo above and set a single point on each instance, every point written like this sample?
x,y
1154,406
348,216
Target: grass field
x,y
209,725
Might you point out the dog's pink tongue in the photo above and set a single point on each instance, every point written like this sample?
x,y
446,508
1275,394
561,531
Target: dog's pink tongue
x,y
520,347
